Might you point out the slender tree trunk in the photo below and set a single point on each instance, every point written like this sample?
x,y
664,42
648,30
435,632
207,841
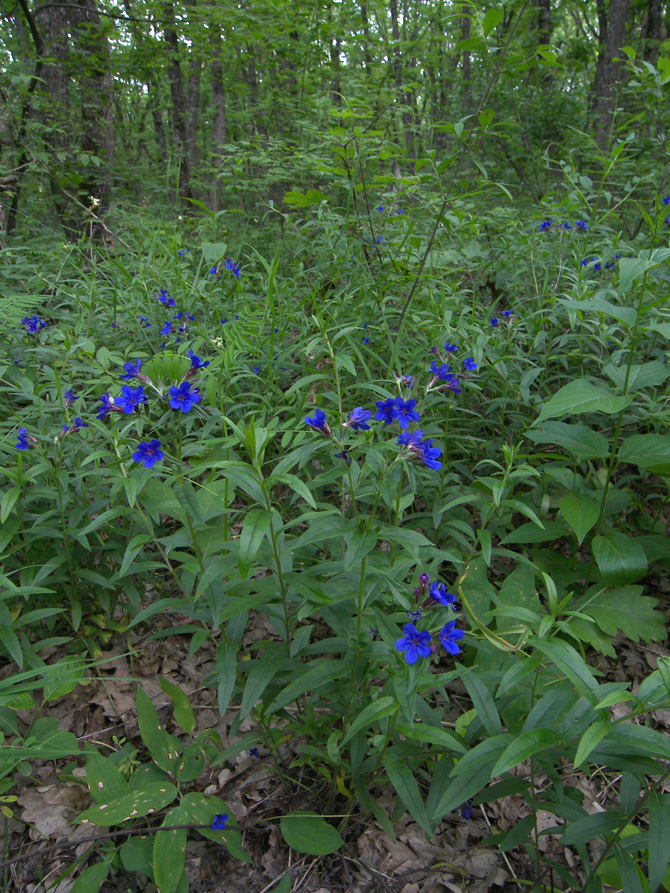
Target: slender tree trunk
x,y
219,103
366,36
179,110
608,71
652,32
467,68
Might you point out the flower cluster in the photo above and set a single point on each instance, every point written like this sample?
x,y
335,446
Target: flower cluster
x,y
414,643
548,226
233,268
597,264
33,324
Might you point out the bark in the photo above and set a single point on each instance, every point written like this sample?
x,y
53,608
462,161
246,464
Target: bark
x,y
179,110
219,103
543,21
653,31
366,36
467,68
609,66
94,78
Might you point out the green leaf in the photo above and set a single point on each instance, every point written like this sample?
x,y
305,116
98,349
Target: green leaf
x,y
596,825
443,738
90,881
164,748
304,199
152,798
590,739
471,774
491,20
580,440
183,711
647,375
202,811
581,512
483,703
307,832
105,782
572,665
402,778
263,671
625,608
659,838
620,559
648,451
525,746
581,396
170,851
372,713
256,525
137,854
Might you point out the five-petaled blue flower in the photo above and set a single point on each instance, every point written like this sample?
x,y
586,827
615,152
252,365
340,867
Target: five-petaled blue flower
x,y
219,823
449,636
438,593
148,453
183,398
450,348
414,643
163,298
129,400
69,397
494,321
358,419
441,371
75,426
546,225
167,328
405,412
581,225
469,365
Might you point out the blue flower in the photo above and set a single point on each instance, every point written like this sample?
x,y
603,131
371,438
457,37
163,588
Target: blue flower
x,y
148,453
219,822
232,267
196,362
23,438
466,811
414,643
183,251
358,419
494,321
565,226
406,412
386,411
470,365
163,298
344,455
379,208
438,593
450,348
145,322
69,397
132,370
167,328
415,616
379,240
33,324
666,200
77,424
256,370
129,400
581,226
545,225
365,340
406,381
183,398
587,260
411,439
318,422
430,455
108,405
507,313
253,752
441,371
449,636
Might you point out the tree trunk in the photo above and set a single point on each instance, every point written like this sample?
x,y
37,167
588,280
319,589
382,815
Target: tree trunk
x,y
179,111
608,71
219,103
652,32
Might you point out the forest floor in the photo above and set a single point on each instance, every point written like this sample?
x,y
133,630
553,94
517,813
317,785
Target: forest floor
x,y
259,791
